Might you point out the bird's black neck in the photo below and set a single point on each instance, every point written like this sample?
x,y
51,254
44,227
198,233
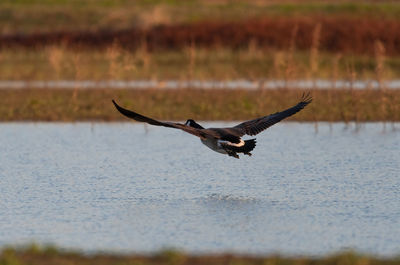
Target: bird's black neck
x,y
194,124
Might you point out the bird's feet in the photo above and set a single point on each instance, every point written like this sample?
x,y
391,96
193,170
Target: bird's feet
x,y
235,155
248,154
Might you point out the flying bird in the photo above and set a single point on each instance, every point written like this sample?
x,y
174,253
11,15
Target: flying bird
x,y
225,140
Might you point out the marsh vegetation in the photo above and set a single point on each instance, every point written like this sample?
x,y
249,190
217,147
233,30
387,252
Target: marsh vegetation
x,y
35,255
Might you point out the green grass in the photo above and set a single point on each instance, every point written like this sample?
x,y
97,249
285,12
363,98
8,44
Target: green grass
x,y
219,64
344,8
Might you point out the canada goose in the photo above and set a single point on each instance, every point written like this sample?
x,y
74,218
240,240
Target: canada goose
x,y
225,140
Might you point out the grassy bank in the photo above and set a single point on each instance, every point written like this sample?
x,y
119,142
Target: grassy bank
x,y
88,105
36,256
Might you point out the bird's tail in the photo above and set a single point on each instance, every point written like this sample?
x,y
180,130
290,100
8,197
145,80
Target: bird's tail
x,y
246,148
249,145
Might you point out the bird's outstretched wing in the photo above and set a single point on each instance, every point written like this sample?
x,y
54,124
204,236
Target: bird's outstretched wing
x,y
138,117
141,118
258,125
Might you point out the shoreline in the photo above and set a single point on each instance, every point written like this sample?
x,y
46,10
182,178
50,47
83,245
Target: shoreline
x,y
52,255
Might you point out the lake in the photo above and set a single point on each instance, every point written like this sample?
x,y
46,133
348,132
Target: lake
x,y
125,187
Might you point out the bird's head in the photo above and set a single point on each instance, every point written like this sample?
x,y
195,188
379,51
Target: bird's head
x,y
193,124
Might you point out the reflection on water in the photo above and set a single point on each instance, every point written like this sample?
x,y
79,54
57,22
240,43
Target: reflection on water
x,y
117,186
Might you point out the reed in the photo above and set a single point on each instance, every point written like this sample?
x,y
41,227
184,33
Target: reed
x,y
290,71
314,52
191,53
279,65
334,78
354,99
145,59
380,77
79,75
129,67
55,57
314,60
114,55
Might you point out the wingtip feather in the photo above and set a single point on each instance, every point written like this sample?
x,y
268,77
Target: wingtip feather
x,y
306,98
118,107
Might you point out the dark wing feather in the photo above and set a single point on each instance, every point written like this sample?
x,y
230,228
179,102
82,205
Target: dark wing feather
x,y
141,118
226,134
258,125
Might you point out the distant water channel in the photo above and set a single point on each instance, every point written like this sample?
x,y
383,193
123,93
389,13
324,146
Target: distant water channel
x,y
321,84
126,187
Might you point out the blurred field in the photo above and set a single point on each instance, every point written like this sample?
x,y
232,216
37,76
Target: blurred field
x,y
32,16
198,40
50,255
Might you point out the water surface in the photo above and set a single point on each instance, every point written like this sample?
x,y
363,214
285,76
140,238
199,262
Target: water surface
x,y
323,84
129,187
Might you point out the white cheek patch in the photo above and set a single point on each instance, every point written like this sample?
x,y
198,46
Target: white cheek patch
x,y
239,144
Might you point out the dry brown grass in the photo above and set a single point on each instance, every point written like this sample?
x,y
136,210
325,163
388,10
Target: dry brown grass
x,y
253,62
